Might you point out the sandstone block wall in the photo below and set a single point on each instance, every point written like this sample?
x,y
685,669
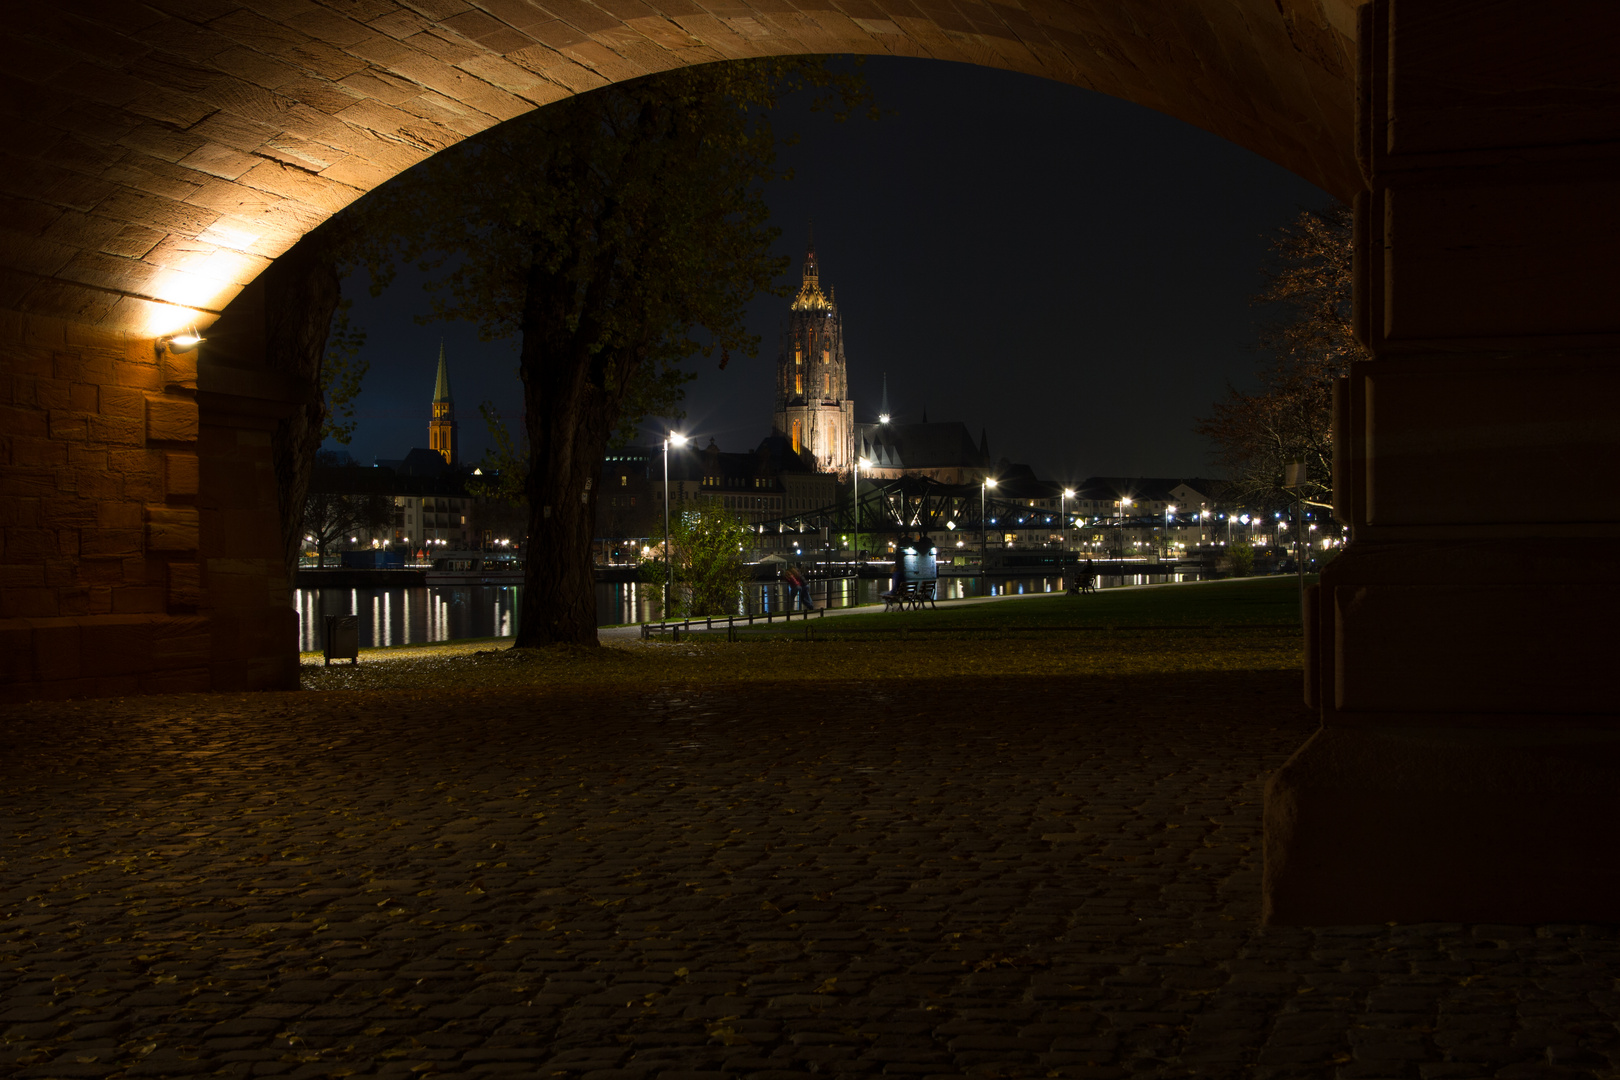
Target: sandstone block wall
x,y
137,536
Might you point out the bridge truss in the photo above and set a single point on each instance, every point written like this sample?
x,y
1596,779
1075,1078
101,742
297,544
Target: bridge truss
x,y
915,504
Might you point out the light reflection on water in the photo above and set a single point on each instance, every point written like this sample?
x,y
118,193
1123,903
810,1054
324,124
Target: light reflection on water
x,y
410,616
401,616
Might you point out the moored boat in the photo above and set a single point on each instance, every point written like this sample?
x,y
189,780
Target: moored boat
x,y
475,568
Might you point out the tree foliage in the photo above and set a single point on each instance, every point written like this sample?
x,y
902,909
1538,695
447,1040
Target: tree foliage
x,y
707,548
1291,418
505,462
618,234
343,367
1241,555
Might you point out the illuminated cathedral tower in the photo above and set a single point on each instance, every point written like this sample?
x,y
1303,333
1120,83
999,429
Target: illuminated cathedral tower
x,y
442,428
813,409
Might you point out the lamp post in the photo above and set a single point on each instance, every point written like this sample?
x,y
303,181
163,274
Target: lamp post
x,y
1169,516
669,562
1063,521
1119,534
860,463
984,534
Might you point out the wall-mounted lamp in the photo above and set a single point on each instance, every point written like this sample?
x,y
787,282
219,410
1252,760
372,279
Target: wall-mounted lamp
x,y
182,342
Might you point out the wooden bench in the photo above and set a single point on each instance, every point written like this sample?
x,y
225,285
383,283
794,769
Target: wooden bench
x,y
899,599
910,597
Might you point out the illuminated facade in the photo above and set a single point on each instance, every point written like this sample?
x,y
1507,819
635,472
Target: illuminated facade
x,y
813,408
442,428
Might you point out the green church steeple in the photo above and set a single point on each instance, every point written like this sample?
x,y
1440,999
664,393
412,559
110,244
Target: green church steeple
x,y
442,428
441,390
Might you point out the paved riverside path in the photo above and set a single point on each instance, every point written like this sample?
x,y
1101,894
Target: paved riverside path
x,y
629,631
986,877
784,619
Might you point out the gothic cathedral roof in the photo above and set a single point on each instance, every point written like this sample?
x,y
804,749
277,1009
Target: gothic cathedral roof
x,y
810,297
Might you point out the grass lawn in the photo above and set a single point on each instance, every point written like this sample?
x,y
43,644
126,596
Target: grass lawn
x,y
1246,602
1244,625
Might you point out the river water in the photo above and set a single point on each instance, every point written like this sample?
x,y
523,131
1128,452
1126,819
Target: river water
x,y
411,616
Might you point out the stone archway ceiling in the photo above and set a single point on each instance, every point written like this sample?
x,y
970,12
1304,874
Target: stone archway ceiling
x,y
162,153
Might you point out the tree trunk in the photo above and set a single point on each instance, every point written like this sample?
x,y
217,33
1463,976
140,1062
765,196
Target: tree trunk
x,y
302,290
568,436
569,419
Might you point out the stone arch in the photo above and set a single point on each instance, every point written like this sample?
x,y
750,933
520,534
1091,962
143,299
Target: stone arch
x,y
161,154
177,147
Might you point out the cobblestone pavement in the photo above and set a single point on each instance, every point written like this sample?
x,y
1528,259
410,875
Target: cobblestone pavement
x,y
1014,878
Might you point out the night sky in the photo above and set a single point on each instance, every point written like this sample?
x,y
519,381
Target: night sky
x,y
1069,271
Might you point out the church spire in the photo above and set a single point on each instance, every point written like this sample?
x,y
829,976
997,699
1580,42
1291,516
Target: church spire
x,y
442,428
441,388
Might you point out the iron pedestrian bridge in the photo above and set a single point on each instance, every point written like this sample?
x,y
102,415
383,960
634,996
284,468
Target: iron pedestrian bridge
x,y
915,504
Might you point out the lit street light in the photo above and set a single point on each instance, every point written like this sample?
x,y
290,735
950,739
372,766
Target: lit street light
x,y
984,534
860,463
669,563
1063,521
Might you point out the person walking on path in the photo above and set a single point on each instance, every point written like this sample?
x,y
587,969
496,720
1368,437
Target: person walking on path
x,y
798,588
804,590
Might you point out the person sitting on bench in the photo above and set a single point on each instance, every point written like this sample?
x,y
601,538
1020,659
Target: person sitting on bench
x,y
896,596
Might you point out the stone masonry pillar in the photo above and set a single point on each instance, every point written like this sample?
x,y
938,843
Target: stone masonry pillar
x,y
1462,648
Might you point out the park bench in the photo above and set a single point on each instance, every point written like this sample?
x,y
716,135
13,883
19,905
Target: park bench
x,y
1080,581
910,597
899,599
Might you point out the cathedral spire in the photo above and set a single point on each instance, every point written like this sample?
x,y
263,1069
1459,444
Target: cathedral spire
x,y
812,273
814,411
810,297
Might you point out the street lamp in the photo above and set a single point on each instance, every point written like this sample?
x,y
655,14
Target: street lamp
x,y
669,563
984,533
1119,535
1169,515
860,463
1063,521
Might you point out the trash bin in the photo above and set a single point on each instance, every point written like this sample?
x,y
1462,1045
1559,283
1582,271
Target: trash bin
x,y
343,638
